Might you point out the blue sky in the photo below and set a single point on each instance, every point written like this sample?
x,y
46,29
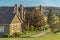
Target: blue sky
x,y
30,2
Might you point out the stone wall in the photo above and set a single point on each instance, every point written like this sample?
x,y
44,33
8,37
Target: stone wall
x,y
15,28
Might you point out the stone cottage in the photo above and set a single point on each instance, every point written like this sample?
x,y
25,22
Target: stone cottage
x,y
12,18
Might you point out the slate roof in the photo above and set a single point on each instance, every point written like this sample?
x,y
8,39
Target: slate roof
x,y
29,8
6,15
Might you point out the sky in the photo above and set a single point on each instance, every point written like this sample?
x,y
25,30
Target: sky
x,y
30,2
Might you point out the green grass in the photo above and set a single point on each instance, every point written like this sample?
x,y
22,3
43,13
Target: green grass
x,y
30,33
50,36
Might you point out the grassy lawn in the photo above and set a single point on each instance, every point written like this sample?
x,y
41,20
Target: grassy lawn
x,y
50,36
30,33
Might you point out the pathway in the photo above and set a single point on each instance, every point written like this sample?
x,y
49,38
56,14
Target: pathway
x,y
42,33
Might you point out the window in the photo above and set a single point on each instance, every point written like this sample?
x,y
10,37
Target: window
x,y
1,28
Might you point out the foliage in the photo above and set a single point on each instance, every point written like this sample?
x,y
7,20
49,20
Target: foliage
x,y
32,28
7,35
53,20
50,17
46,27
40,19
17,34
58,14
27,20
36,18
30,33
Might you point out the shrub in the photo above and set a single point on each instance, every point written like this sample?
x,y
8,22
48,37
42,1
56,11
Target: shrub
x,y
45,27
7,35
36,29
32,28
17,34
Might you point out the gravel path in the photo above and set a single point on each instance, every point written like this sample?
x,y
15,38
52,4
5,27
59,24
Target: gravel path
x,y
42,33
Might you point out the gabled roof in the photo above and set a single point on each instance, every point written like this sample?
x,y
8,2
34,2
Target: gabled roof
x,y
6,15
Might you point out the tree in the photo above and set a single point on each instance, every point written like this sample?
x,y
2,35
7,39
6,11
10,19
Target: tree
x,y
52,19
39,19
27,20
36,18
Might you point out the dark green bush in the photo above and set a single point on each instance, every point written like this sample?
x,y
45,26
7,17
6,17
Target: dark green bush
x,y
32,28
46,27
7,35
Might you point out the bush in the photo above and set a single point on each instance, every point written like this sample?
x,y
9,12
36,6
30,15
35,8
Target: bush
x,y
32,28
17,34
45,27
7,35
36,29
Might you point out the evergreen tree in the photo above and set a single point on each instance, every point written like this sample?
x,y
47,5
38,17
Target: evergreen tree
x,y
52,19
